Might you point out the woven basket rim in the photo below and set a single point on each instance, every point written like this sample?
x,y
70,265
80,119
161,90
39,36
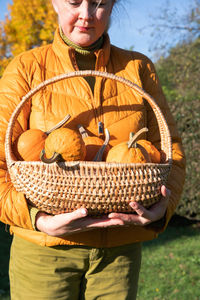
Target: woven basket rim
x,y
89,164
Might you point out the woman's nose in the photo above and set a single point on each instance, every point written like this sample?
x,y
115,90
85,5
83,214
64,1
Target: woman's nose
x,y
86,10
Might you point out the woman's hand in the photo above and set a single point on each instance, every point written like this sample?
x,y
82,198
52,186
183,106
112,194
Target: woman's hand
x,y
69,223
145,216
78,221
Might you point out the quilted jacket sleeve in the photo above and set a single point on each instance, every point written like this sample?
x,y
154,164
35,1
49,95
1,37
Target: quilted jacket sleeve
x,y
177,176
13,85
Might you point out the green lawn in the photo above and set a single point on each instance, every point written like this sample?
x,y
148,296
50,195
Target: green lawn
x,y
170,265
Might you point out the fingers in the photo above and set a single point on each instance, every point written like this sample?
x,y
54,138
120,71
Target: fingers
x,y
165,191
128,219
125,218
66,218
76,214
107,222
139,209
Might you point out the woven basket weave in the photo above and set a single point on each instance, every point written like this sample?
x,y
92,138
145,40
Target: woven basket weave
x,y
99,186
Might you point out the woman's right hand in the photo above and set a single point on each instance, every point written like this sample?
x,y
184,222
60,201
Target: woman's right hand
x,y
69,223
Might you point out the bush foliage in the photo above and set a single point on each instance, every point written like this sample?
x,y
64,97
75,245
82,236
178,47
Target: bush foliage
x,y
179,77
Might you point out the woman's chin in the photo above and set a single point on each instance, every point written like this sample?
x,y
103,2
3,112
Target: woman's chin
x,y
84,40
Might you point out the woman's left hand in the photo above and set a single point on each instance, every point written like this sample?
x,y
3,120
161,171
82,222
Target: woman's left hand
x,y
144,216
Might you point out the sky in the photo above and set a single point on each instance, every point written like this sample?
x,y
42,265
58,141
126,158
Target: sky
x,y
131,21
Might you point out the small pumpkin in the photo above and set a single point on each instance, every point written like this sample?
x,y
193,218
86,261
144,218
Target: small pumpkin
x,y
30,143
154,153
63,144
129,152
93,145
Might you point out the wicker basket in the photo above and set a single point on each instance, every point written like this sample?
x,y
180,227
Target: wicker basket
x,y
99,186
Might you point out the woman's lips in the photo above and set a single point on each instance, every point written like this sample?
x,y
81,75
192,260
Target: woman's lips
x,y
84,29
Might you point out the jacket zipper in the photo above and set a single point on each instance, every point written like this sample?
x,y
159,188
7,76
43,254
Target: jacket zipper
x,y
99,120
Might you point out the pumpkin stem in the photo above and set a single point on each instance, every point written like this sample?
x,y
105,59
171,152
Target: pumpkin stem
x,y
60,124
82,131
55,157
99,155
133,137
135,145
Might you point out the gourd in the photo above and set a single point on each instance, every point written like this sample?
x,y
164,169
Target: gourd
x,y
154,153
129,152
63,144
93,145
30,143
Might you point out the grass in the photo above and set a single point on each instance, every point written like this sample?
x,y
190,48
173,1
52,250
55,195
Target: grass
x,y
170,265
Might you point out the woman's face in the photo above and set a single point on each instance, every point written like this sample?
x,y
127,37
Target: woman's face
x,y
83,21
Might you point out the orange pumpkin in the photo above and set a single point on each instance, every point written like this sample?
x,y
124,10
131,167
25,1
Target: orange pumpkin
x,y
63,144
93,145
129,152
29,145
154,153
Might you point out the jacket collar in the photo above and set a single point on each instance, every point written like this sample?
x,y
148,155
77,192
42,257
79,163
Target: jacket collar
x,y
66,54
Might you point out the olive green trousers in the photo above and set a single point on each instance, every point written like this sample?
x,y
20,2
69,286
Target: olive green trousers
x,y
73,272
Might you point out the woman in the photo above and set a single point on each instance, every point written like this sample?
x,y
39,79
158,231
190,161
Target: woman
x,y
71,255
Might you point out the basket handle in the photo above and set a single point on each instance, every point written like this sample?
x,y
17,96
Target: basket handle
x,y
166,144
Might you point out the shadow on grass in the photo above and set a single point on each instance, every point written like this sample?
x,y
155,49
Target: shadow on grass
x,y
178,228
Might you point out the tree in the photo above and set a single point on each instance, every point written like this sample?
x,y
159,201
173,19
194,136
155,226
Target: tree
x,y
178,40
28,25
179,71
172,28
179,75
187,114
3,49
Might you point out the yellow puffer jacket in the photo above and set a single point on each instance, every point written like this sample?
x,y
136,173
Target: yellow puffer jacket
x,y
118,107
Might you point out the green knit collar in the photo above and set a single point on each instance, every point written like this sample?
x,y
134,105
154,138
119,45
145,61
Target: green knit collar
x,y
82,50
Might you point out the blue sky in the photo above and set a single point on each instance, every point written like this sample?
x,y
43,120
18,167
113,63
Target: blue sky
x,y
129,16
126,28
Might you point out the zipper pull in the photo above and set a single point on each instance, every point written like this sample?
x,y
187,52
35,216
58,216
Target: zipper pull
x,y
100,128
